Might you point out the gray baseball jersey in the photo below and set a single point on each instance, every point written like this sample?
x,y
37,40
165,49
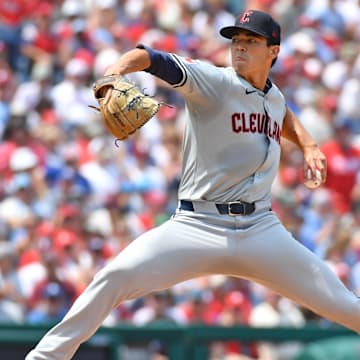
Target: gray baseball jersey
x,y
231,152
232,139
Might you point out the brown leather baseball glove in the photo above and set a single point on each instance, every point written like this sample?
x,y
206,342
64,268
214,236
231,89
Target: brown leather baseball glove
x,y
124,108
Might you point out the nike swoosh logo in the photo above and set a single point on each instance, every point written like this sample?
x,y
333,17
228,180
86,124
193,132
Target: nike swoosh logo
x,y
247,92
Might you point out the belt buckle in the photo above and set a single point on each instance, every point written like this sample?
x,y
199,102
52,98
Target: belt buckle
x,y
235,203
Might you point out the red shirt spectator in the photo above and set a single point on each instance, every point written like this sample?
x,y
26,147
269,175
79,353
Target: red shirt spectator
x,y
237,309
51,263
39,41
343,166
12,12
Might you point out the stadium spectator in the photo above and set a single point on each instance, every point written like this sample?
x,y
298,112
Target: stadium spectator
x,y
343,164
12,299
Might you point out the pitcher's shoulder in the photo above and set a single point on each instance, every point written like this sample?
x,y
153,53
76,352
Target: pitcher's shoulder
x,y
276,92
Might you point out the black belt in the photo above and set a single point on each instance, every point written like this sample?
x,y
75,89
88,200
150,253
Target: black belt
x,y
231,208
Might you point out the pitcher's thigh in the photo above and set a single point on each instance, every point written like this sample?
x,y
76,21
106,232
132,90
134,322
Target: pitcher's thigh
x,y
276,260
164,256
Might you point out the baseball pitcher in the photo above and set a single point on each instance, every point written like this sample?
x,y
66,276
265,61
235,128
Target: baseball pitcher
x,y
236,118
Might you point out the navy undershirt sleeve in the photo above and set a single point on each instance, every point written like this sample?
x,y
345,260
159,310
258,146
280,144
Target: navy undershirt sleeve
x,y
163,66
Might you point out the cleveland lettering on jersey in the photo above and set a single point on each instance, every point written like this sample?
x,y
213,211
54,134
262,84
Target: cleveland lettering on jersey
x,y
256,123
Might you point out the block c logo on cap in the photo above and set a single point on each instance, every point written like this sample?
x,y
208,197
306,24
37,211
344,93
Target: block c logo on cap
x,y
245,17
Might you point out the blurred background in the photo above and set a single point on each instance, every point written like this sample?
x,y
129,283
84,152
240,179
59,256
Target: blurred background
x,y
70,199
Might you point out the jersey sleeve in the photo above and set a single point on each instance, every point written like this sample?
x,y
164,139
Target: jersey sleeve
x,y
201,80
163,65
198,81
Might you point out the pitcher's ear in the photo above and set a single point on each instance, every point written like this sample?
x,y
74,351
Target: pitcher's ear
x,y
275,49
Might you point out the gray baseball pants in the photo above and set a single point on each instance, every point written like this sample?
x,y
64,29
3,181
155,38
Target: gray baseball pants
x,y
192,244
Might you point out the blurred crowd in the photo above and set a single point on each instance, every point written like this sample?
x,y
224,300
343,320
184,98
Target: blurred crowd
x,y
71,198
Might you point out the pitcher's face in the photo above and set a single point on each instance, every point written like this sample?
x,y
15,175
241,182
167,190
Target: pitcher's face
x,y
250,53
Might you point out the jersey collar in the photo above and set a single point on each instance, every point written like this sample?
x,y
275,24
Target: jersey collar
x,y
250,88
268,86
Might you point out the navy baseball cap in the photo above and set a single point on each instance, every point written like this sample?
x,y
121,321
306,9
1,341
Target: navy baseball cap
x,y
257,22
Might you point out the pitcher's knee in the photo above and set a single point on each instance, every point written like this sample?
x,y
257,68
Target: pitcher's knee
x,y
123,283
346,313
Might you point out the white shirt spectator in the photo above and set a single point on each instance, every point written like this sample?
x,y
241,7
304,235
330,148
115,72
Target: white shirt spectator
x,y
72,96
